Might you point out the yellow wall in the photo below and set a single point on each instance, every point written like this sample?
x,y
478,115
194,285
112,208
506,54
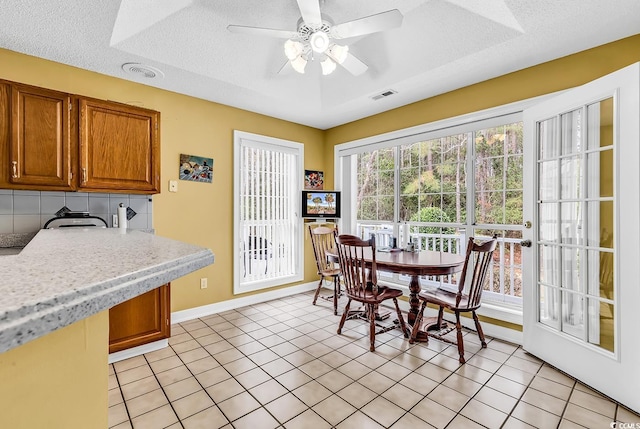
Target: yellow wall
x,y
58,381
199,213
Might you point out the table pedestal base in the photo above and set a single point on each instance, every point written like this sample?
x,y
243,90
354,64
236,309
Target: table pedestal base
x,y
428,324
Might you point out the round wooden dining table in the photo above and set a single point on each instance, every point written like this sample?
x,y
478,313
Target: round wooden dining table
x,y
414,264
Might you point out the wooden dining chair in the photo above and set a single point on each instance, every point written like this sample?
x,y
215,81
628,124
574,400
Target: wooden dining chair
x,y
466,299
361,283
322,240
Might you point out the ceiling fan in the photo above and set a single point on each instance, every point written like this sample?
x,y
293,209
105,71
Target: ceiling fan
x,y
316,33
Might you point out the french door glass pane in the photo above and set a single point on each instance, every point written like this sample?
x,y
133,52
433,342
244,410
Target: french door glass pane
x,y
571,227
571,177
549,306
601,274
600,165
600,114
571,269
601,322
547,141
548,224
570,136
573,314
549,264
548,189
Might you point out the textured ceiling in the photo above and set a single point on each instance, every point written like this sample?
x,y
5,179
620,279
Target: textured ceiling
x,y
440,46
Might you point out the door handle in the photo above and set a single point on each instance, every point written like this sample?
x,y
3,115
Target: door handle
x,y
14,169
525,243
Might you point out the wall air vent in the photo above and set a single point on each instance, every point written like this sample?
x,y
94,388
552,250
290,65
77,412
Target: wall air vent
x,y
384,94
142,70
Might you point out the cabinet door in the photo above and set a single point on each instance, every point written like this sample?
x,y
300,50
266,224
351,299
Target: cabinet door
x,y
140,320
40,151
119,147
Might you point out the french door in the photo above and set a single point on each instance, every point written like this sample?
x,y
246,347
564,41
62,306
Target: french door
x,y
582,196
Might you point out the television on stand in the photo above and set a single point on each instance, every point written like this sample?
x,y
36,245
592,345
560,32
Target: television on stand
x,y
320,204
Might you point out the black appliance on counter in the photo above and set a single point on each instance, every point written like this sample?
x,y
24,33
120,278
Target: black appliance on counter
x,y
68,219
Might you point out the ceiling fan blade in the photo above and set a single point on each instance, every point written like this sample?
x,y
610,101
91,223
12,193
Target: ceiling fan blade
x,y
370,24
257,31
310,10
353,65
286,69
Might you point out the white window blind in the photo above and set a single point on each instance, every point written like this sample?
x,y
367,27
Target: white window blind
x,y
268,244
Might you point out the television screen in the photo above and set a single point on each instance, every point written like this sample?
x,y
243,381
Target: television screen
x,y
321,204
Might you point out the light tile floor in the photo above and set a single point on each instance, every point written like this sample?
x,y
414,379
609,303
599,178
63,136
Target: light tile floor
x,y
281,364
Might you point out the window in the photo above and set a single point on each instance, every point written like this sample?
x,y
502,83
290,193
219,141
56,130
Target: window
x,y
267,227
440,186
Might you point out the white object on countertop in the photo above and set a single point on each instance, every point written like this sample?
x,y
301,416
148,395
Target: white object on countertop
x,y
122,216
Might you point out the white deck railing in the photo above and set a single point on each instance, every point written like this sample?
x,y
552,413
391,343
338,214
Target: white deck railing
x,y
505,277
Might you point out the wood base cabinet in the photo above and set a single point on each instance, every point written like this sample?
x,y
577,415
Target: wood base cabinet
x,y
141,320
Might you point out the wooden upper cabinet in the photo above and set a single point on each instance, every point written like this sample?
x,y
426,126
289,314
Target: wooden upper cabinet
x,y
42,142
119,148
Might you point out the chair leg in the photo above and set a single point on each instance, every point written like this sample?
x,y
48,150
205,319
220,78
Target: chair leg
x,y
372,326
315,297
344,316
440,316
336,294
479,329
403,326
459,335
416,323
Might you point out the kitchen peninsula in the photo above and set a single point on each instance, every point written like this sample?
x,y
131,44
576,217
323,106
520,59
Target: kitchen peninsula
x,y
54,320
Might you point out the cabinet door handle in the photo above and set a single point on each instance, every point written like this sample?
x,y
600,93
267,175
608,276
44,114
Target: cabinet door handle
x,y
84,175
14,167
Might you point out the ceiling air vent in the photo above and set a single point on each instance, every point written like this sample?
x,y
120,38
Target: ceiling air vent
x,y
142,70
384,94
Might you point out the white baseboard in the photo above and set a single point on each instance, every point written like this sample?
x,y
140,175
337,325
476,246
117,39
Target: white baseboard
x,y
232,304
136,351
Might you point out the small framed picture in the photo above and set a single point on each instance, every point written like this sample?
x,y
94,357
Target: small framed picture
x,y
313,179
196,168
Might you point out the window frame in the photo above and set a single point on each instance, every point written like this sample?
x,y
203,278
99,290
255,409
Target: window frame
x,y
242,139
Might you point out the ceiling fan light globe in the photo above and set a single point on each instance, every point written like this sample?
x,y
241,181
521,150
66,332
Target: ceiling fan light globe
x,y
293,49
338,53
319,41
299,64
328,66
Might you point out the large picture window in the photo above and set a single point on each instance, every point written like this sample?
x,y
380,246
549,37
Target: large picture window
x,y
437,188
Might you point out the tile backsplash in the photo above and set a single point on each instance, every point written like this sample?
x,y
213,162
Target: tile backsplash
x,y
28,211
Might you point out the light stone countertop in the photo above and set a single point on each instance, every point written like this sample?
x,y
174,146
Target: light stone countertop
x,y
65,275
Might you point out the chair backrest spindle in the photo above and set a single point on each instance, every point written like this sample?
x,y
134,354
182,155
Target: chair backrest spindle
x,y
351,254
322,240
479,256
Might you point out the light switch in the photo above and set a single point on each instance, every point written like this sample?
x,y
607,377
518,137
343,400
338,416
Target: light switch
x,y
173,186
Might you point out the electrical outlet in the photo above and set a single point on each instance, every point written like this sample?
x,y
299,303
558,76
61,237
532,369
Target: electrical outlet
x,y
173,186
203,283
114,221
